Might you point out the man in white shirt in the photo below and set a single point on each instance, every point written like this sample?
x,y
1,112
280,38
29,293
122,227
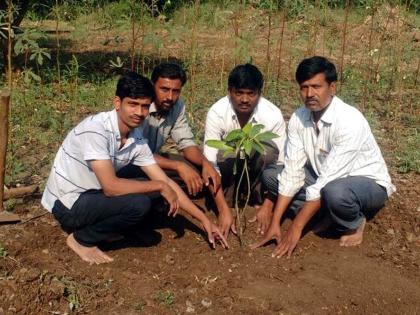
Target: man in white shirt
x,y
332,163
244,104
83,192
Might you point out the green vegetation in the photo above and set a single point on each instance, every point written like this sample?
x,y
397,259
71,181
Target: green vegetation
x,y
67,58
166,298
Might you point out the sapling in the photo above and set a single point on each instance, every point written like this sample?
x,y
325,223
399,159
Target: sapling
x,y
242,144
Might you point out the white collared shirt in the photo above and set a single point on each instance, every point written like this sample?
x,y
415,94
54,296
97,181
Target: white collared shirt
x,y
345,146
221,119
97,137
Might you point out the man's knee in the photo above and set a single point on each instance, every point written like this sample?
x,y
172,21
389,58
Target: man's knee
x,y
138,206
269,178
339,200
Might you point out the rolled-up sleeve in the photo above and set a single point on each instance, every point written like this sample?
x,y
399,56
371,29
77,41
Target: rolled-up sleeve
x,y
181,132
292,178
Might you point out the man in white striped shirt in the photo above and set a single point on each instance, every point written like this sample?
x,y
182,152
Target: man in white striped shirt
x,y
83,191
333,164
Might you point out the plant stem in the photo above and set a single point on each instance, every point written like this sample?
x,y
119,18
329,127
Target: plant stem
x,y
9,44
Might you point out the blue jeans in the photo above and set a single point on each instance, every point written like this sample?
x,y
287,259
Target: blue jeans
x,y
346,200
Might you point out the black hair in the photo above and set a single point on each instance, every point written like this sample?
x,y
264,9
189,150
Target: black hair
x,y
246,76
169,70
310,67
134,85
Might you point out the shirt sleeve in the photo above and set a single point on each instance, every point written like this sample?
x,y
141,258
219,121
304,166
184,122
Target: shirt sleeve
x,y
341,158
213,131
280,130
144,156
181,132
94,143
292,178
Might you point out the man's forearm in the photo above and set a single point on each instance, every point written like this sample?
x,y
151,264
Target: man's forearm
x,y
306,213
165,163
280,208
194,155
123,186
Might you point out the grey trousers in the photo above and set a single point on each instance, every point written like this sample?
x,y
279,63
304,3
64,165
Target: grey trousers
x,y
346,200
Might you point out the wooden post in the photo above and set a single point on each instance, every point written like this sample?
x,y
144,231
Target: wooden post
x,y
4,135
5,217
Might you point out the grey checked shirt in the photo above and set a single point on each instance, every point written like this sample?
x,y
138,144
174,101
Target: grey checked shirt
x,y
157,128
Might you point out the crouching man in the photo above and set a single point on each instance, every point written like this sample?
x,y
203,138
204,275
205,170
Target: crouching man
x,y
83,192
333,164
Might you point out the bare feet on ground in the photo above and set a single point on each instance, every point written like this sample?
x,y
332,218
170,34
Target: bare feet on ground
x,y
92,255
355,238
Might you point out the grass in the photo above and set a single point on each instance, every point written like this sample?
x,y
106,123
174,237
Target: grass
x,y
165,298
225,32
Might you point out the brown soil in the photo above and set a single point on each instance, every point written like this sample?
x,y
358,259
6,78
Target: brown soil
x,y
171,269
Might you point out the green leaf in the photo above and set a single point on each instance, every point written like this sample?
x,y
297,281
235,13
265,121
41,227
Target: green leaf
x,y
248,147
258,147
220,145
234,135
247,128
40,59
35,76
256,129
266,136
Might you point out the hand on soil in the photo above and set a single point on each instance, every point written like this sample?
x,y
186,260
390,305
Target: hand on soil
x,y
273,233
288,243
213,233
263,219
92,255
226,223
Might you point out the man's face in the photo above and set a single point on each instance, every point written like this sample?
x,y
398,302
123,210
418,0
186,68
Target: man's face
x,y
132,111
244,100
317,93
167,93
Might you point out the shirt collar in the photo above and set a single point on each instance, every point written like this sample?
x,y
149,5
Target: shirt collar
x,y
328,116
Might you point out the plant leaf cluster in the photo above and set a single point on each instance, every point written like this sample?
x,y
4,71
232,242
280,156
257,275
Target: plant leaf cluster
x,y
243,140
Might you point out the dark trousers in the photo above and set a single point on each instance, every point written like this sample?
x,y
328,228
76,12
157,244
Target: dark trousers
x,y
348,201
95,217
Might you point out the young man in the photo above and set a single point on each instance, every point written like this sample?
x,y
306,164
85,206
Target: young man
x,y
167,119
332,143
84,193
244,104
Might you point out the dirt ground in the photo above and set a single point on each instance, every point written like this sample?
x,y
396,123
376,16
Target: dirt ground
x,y
170,269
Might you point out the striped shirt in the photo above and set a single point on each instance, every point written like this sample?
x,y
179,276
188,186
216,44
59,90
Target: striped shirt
x,y
159,127
221,119
344,146
95,138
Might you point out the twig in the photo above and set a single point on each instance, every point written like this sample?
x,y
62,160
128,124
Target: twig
x,y
34,217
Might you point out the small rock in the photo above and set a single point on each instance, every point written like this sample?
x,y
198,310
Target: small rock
x,y
390,231
45,251
169,259
190,307
206,302
192,290
410,237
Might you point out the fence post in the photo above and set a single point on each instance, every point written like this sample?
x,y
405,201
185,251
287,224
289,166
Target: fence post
x,y
4,136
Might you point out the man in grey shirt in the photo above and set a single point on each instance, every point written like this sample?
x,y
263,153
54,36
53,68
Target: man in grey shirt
x,y
167,119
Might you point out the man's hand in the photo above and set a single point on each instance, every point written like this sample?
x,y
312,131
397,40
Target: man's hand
x,y
263,217
171,197
191,178
226,222
209,173
273,233
288,243
213,233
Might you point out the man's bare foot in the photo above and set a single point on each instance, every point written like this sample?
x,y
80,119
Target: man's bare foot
x,y
92,255
355,238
